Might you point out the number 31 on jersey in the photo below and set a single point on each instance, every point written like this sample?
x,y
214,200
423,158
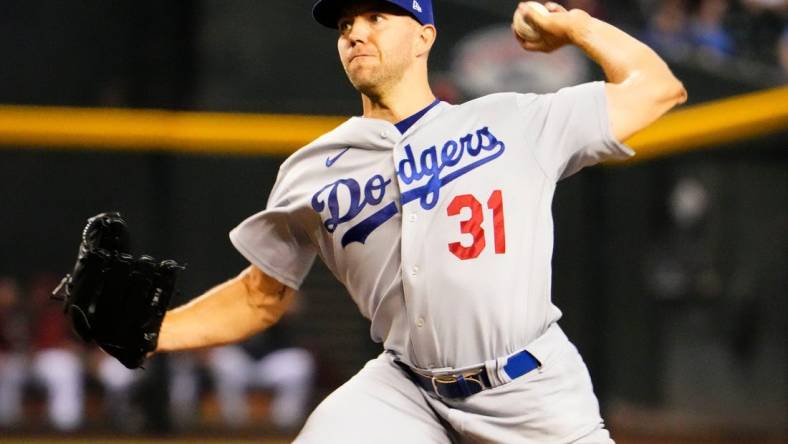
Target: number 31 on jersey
x,y
473,225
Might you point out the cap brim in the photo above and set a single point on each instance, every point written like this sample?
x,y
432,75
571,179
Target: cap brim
x,y
327,12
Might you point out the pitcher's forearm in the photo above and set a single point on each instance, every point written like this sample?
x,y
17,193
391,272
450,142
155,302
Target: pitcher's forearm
x,y
230,312
622,57
640,85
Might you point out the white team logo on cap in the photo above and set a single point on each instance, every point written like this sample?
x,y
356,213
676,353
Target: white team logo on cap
x,y
416,6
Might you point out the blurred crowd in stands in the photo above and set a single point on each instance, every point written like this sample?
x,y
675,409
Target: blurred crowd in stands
x,y
713,32
747,38
742,42
49,379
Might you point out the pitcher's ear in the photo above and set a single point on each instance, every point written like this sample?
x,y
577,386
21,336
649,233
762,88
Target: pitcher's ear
x,y
427,37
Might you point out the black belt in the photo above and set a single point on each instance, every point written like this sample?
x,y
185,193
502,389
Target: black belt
x,y
463,385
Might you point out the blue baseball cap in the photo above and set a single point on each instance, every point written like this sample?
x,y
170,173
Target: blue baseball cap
x,y
326,12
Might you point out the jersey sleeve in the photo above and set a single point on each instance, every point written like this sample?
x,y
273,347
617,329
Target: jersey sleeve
x,y
274,239
569,129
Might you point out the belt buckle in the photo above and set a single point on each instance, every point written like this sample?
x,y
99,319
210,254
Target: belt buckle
x,y
462,379
442,379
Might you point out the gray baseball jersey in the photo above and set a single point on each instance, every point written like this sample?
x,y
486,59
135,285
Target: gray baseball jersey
x,y
442,235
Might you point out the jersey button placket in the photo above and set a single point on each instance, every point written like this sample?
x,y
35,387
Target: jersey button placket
x,y
413,274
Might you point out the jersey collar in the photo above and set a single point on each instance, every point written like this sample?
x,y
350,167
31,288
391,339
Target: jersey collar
x,y
406,123
377,134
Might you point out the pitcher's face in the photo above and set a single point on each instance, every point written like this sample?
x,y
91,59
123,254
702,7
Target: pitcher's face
x,y
376,44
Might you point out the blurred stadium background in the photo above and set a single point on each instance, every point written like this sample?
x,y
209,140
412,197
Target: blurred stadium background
x,y
670,269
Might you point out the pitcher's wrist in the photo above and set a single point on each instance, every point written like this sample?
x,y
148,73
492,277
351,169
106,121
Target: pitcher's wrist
x,y
581,27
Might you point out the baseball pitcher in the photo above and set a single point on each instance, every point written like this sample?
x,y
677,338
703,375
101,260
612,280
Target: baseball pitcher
x,y
437,219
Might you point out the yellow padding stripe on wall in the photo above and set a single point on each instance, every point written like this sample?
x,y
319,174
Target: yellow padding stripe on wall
x,y
714,123
688,128
160,130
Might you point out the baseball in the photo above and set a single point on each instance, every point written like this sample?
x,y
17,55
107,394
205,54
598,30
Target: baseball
x,y
523,28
